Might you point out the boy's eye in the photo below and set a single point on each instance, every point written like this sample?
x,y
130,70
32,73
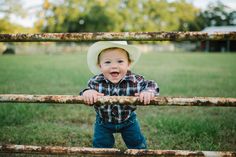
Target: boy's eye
x,y
107,62
120,61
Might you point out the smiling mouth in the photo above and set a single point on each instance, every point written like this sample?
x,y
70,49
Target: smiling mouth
x,y
114,74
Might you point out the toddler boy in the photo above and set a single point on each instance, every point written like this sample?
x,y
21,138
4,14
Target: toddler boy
x,y
111,61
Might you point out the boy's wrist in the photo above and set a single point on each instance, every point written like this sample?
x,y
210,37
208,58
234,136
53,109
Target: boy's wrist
x,y
81,93
151,91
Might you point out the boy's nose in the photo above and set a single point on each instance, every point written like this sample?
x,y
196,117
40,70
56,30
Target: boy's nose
x,y
114,65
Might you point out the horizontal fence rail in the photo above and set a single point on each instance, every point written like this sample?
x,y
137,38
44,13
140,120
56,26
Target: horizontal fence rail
x,y
126,100
58,150
134,36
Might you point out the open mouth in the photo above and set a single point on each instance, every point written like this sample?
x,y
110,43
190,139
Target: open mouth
x,y
114,74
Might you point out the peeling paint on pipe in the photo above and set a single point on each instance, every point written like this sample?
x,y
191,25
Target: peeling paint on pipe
x,y
129,36
58,150
126,100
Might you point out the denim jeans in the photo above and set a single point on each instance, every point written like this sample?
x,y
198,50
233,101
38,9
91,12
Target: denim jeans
x,y
130,132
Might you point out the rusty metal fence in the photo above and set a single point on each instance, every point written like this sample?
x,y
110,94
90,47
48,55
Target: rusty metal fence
x,y
158,101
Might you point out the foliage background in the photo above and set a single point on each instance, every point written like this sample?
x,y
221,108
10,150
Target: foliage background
x,y
115,16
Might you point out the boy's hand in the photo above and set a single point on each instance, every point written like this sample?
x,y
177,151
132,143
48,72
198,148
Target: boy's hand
x,y
145,97
91,96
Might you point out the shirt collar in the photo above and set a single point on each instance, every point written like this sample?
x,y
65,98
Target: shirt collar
x,y
129,77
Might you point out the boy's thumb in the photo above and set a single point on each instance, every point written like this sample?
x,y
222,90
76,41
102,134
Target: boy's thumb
x,y
136,94
100,94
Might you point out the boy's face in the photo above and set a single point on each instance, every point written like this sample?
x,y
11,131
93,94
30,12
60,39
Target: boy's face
x,y
114,64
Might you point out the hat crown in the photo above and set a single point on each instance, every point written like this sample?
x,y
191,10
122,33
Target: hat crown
x,y
119,42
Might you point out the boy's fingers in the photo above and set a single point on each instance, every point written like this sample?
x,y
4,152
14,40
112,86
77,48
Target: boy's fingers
x,y
90,100
141,97
95,99
153,96
147,98
86,100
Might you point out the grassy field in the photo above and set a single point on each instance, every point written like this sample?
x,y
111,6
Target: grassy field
x,y
178,74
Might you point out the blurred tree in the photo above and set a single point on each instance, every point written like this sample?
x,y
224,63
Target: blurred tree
x,y
75,16
115,15
217,14
9,8
232,18
8,27
183,13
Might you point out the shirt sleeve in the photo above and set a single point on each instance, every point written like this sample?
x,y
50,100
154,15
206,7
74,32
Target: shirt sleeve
x,y
149,85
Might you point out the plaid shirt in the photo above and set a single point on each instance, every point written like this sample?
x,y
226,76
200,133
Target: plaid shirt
x,y
128,86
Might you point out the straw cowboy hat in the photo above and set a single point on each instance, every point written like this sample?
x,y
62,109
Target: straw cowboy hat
x,y
96,48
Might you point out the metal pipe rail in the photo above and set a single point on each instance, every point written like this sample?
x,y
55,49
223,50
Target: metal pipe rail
x,y
126,100
58,150
134,36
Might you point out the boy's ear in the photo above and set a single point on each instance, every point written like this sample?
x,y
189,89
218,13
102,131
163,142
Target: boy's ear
x,y
129,65
99,65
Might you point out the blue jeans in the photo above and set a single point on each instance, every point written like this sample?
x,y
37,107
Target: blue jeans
x,y
130,132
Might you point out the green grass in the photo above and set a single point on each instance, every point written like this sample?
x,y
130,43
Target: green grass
x,y
177,74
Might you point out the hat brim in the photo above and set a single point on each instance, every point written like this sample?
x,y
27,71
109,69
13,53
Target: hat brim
x,y
96,48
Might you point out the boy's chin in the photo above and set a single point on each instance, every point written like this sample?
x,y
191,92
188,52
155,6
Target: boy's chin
x,y
114,81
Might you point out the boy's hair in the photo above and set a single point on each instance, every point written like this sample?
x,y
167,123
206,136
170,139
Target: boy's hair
x,y
113,48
